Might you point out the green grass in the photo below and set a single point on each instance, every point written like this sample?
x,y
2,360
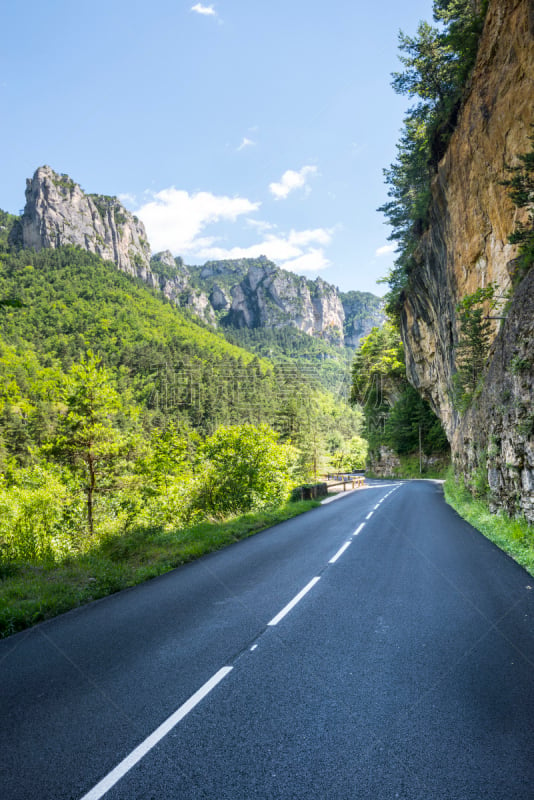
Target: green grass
x,y
513,535
30,593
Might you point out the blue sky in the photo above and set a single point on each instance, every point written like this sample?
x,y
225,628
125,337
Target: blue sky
x,y
233,128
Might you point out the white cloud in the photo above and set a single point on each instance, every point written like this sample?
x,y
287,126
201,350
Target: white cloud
x,y
290,181
174,219
385,249
245,143
179,221
304,238
207,11
260,225
292,250
313,261
129,199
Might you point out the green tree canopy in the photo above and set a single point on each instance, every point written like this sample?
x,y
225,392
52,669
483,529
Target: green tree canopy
x,y
90,436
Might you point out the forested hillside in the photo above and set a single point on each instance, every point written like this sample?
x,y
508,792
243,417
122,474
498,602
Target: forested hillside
x,y
119,410
403,433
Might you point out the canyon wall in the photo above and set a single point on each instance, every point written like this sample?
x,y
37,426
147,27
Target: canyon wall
x,y
466,247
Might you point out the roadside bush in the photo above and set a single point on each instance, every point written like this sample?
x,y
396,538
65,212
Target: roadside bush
x,y
31,516
244,468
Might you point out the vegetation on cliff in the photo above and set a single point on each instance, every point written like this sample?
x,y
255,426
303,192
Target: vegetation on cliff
x,y
437,62
521,189
463,301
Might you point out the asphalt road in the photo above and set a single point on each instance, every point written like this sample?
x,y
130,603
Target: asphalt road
x,y
377,647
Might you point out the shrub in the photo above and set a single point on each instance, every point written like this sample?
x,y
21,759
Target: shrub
x,y
31,516
244,469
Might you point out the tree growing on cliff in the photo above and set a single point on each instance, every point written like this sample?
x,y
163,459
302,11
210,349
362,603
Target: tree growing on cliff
x,y
521,190
395,414
473,345
437,62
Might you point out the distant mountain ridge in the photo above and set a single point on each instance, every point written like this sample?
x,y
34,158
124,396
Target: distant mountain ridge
x,y
241,293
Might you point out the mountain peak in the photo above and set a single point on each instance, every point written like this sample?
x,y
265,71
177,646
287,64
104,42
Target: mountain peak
x,y
58,212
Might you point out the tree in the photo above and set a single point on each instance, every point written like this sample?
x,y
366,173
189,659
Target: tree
x,y
521,190
464,20
89,436
429,66
473,345
437,62
169,456
394,411
411,421
377,367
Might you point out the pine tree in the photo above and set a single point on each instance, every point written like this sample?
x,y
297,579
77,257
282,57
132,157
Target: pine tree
x,y
472,350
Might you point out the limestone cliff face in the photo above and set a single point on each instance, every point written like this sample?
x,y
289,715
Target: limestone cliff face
x,y
466,247
496,436
174,280
270,297
59,213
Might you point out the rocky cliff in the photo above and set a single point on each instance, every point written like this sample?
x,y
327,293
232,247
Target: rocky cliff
x,y
252,293
466,247
270,297
58,212
255,293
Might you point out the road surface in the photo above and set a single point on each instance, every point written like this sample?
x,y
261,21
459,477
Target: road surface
x,y
376,647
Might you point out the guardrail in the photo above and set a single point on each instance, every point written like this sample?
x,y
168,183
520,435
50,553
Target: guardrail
x,y
356,481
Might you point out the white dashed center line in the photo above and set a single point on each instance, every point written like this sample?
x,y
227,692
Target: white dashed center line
x,y
281,614
339,553
151,741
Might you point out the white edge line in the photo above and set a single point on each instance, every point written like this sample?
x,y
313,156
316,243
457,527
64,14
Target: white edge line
x,y
141,750
359,529
339,553
281,614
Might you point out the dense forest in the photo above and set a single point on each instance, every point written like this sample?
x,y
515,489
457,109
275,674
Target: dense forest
x,y
396,416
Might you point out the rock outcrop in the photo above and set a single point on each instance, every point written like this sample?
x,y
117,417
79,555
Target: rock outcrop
x,y
495,440
271,297
466,247
58,212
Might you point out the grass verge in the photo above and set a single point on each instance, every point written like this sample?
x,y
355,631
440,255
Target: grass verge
x,y
30,593
513,535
